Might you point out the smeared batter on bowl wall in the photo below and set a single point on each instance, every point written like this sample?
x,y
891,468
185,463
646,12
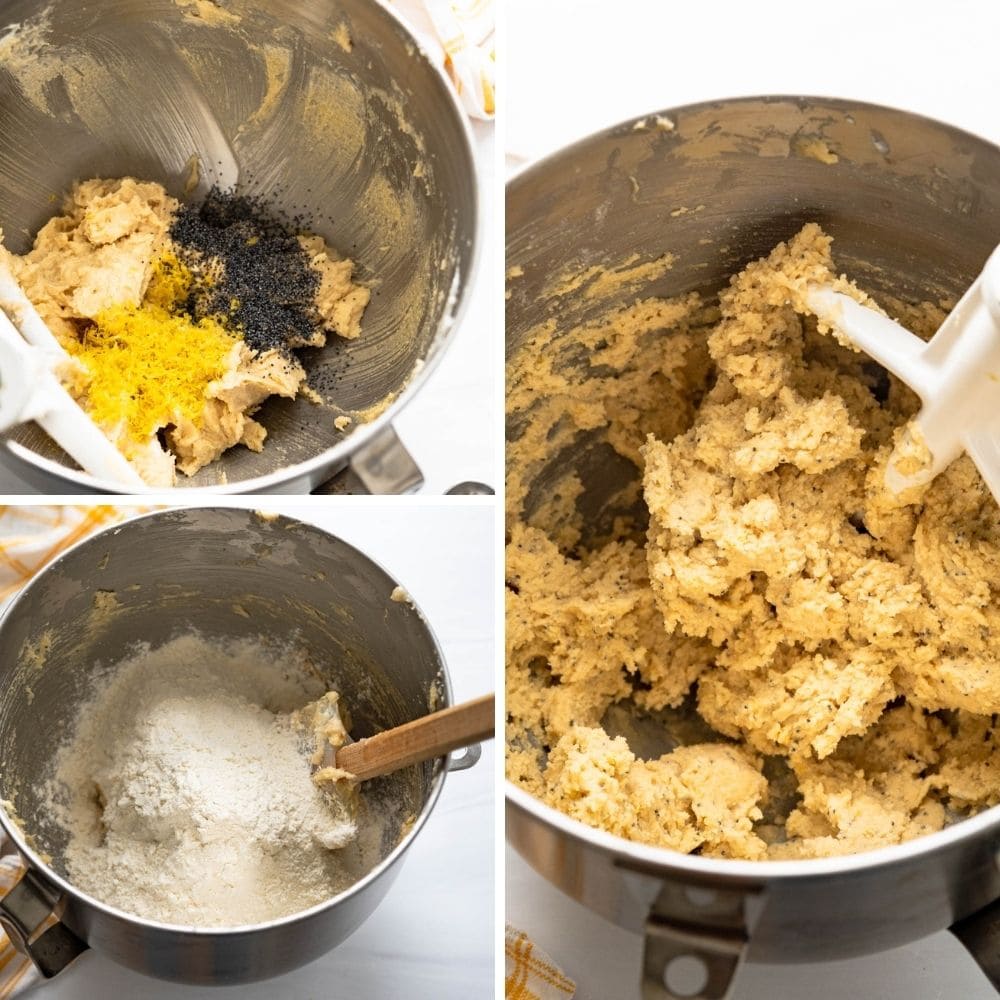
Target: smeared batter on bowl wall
x,y
835,639
247,89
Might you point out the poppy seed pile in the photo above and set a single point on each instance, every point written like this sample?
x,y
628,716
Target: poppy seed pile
x,y
250,268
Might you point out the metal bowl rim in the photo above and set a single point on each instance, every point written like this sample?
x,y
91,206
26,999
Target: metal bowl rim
x,y
35,862
664,860
446,326
626,126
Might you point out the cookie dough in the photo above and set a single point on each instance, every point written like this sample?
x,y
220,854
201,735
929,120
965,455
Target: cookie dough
x,y
840,642
106,273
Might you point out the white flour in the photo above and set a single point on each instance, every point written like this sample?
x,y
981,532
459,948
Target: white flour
x,y
187,794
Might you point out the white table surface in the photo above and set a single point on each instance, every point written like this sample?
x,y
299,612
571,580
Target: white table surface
x,y
432,936
576,66
449,426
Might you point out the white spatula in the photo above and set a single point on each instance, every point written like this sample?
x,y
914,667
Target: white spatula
x,y
30,390
956,374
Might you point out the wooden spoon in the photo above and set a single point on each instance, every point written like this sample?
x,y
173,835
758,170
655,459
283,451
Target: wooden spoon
x,y
422,739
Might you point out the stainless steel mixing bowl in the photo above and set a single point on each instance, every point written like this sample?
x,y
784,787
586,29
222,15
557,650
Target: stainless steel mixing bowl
x,y
914,209
331,110
227,573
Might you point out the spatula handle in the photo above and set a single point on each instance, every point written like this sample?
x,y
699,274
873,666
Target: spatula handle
x,y
422,739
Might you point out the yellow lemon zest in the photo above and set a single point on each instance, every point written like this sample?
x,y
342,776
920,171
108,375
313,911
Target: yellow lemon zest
x,y
148,367
170,283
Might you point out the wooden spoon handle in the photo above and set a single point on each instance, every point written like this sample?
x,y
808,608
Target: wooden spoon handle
x,y
422,739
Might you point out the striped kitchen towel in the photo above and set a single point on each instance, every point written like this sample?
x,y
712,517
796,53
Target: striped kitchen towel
x,y
31,537
531,974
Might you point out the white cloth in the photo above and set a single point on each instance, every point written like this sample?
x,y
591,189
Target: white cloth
x,y
461,34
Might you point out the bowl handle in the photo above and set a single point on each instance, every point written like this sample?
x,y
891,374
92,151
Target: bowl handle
x,y
469,757
29,914
695,941
382,465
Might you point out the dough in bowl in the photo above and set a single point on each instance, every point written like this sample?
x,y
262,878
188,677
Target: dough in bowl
x,y
840,645
181,320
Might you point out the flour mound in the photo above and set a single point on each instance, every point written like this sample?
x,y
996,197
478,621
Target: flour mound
x,y
188,797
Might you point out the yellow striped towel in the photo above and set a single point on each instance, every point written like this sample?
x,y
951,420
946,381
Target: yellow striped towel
x,y
30,538
463,36
531,974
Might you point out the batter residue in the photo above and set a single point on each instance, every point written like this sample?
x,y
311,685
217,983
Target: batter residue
x,y
839,641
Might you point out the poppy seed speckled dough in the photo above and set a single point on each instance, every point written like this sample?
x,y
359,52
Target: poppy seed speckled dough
x,y
825,626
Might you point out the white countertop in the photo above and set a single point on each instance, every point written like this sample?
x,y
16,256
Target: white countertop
x,y
576,66
432,936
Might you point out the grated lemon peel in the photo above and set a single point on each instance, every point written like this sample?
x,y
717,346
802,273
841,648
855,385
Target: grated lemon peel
x,y
150,364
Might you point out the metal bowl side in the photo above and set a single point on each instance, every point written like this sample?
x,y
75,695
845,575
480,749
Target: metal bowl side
x,y
914,209
227,572
333,111
796,911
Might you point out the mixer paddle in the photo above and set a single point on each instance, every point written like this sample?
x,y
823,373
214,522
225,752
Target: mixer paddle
x,y
30,357
956,374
